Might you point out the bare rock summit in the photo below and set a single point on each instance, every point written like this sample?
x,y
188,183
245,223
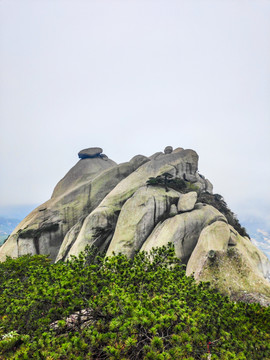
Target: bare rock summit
x,y
140,204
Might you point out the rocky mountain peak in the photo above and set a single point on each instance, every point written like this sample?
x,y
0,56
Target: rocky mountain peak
x,y
140,204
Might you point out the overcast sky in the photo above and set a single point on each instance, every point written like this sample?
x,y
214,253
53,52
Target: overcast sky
x,y
133,76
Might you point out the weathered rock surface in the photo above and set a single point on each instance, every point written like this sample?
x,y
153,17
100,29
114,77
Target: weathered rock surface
x,y
183,231
156,155
148,206
187,201
69,240
90,152
177,149
77,321
83,171
168,150
100,224
173,210
100,187
64,212
235,270
109,206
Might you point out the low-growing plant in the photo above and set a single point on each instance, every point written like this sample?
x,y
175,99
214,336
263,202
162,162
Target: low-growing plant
x,y
141,308
219,203
168,181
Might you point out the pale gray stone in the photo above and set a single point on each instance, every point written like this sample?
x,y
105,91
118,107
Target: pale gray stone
x,y
26,246
156,155
191,178
69,240
187,201
102,204
178,149
76,321
173,210
138,217
183,231
233,237
67,209
235,270
83,171
199,205
168,150
90,152
208,186
138,160
111,205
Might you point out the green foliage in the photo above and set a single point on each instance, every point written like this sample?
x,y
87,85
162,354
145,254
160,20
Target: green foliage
x,y
145,308
168,181
215,200
164,180
219,203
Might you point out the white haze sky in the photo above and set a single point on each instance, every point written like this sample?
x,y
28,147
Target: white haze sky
x,y
133,76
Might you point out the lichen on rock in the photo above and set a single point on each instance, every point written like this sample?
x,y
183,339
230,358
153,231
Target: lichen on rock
x,y
140,204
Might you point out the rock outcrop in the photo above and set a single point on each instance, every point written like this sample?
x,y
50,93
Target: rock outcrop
x,y
183,230
99,225
90,164
90,153
231,263
148,206
141,204
187,201
44,229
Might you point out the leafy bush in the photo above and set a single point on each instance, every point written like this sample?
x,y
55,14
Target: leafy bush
x,y
145,308
219,203
168,181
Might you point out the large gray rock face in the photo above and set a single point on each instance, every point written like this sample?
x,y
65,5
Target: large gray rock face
x,y
85,169
101,222
69,239
231,263
44,229
183,231
148,206
100,187
109,206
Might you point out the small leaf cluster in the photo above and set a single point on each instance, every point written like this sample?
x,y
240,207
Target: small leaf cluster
x,y
141,308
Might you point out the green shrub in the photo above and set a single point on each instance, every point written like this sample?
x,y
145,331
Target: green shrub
x,y
145,308
219,203
168,181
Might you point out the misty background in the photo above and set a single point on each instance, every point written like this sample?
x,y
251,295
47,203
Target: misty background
x,y
133,77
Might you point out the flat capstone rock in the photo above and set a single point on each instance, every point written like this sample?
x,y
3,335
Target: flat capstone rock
x,y
90,153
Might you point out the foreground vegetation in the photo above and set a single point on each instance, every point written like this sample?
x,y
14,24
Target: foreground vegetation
x,y
144,308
